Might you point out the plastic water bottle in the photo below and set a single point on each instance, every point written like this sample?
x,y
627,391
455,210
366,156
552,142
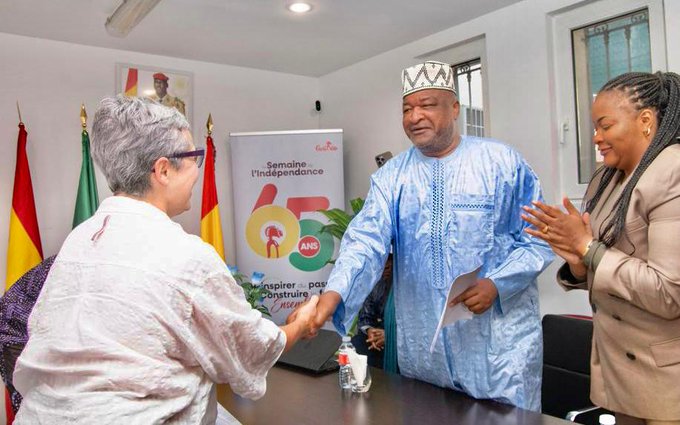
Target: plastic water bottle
x,y
607,420
345,373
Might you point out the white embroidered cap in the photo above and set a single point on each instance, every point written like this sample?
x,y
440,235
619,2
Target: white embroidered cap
x,y
428,75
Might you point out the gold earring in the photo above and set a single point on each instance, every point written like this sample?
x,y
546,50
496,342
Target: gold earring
x,y
647,132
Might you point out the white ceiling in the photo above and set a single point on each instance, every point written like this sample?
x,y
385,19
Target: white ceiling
x,y
252,33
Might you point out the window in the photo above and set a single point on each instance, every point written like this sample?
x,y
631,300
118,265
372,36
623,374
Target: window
x,y
469,69
468,82
593,43
602,51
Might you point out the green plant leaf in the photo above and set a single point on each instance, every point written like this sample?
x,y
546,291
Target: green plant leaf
x,y
253,293
338,217
339,220
334,230
264,310
357,204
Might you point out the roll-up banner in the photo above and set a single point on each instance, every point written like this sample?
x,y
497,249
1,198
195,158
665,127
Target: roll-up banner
x,y
281,180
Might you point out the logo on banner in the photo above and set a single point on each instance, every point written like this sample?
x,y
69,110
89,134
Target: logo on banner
x,y
274,232
326,147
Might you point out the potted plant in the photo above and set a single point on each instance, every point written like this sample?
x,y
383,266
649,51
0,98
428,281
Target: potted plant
x,y
253,290
339,219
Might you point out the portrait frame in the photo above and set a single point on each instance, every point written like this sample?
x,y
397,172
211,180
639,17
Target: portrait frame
x,y
137,80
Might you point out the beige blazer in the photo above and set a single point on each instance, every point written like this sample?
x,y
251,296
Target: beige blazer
x,y
635,296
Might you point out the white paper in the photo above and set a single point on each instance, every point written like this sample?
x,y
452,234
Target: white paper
x,y
224,417
358,363
458,312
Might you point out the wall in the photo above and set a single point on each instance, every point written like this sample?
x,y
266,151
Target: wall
x,y
365,99
50,80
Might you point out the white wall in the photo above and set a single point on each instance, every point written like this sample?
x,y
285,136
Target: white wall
x,y
365,100
51,79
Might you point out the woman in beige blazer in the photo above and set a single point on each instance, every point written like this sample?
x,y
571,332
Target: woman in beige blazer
x,y
625,249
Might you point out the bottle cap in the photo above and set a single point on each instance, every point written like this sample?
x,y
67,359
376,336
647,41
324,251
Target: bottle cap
x,y
607,420
346,338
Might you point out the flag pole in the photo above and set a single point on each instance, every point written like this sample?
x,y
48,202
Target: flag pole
x,y
83,116
19,112
211,229
209,126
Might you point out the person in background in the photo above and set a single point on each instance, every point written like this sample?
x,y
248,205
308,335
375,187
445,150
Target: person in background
x,y
624,249
137,319
15,307
449,205
370,340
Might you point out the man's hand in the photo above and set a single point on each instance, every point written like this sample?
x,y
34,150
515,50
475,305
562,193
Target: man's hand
x,y
479,297
303,322
376,338
328,301
307,314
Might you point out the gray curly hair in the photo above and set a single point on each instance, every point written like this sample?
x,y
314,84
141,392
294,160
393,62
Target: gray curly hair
x,y
129,134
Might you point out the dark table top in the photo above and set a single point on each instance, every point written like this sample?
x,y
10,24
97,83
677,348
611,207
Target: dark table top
x,y
295,397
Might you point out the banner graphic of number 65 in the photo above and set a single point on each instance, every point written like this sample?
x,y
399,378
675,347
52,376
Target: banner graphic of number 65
x,y
275,232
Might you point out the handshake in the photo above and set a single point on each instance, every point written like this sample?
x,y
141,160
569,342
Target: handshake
x,y
310,316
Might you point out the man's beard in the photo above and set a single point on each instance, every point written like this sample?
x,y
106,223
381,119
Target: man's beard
x,y
439,142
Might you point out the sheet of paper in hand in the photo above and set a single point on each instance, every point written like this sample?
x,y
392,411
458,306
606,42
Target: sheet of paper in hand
x,y
458,312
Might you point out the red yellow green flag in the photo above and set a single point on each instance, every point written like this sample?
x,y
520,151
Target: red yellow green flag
x,y
24,250
87,199
131,82
211,229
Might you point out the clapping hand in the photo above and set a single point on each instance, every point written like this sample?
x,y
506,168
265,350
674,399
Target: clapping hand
x,y
568,233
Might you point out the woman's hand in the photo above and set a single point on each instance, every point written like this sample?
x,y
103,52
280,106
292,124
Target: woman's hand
x,y
327,303
568,234
301,322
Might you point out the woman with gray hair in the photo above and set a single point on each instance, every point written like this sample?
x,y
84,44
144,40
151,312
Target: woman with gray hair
x,y
137,319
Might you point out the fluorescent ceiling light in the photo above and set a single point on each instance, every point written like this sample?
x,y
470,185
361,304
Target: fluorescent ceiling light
x,y
128,15
300,7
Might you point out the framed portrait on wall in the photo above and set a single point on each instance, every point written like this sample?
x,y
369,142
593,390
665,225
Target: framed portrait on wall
x,y
168,87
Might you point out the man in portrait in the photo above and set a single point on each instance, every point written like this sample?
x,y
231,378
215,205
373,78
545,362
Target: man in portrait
x,y
160,84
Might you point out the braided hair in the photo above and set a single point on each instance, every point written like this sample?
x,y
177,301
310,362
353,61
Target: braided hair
x,y
660,92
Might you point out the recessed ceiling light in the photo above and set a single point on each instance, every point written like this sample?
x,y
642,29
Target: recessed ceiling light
x,y
299,7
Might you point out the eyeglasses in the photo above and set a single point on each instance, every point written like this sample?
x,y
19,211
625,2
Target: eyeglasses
x,y
198,154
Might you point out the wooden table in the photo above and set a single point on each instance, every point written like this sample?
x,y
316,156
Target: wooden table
x,y
297,398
